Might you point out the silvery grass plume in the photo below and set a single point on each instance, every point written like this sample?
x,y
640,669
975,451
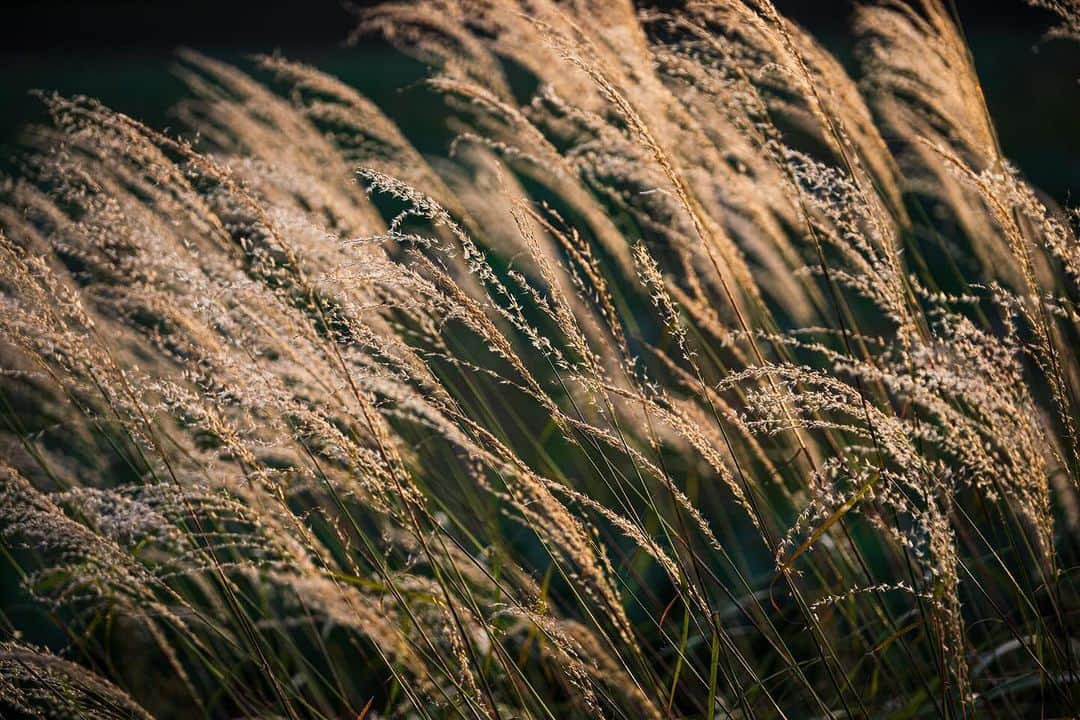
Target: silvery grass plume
x,y
661,394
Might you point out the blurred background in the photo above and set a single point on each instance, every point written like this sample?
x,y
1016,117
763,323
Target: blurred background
x,y
121,52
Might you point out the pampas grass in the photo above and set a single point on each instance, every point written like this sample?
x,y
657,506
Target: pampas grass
x,y
697,379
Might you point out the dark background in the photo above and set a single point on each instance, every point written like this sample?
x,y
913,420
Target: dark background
x,y
114,25
121,51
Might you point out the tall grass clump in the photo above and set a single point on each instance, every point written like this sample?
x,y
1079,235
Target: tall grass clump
x,y
695,379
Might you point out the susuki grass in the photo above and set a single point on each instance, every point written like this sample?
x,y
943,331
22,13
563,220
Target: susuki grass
x,y
696,379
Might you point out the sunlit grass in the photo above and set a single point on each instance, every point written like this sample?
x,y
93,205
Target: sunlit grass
x,y
694,380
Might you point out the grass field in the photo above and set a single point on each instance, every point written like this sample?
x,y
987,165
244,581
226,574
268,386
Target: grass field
x,y
536,360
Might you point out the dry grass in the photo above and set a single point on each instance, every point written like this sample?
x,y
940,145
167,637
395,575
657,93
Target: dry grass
x,y
697,380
